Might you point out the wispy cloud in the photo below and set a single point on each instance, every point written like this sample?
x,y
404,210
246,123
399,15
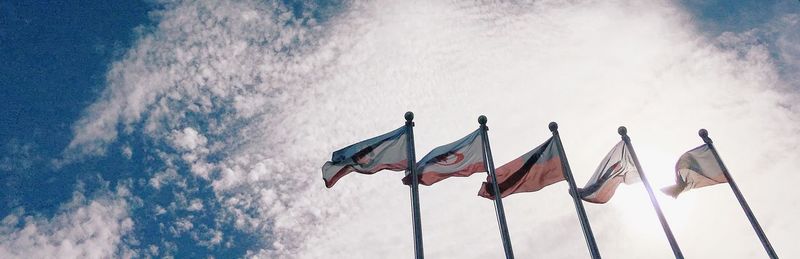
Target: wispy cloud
x,y
83,228
18,156
261,93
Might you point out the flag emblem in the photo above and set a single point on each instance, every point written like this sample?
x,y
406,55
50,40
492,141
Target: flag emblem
x,y
387,151
450,158
463,157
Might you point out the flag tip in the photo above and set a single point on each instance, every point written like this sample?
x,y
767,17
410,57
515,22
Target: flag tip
x,y
622,131
553,126
704,135
409,116
482,119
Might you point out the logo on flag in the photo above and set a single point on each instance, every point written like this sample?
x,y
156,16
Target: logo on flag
x,y
364,156
463,157
387,151
448,159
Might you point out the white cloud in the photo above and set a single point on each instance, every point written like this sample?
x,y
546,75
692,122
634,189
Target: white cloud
x,y
181,226
18,156
161,177
246,82
188,139
787,41
127,151
83,228
195,205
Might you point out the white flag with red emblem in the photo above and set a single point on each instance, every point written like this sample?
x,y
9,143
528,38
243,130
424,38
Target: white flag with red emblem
x,y
384,152
461,158
617,167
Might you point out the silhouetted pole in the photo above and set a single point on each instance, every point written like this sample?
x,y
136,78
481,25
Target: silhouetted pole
x,y
753,221
415,215
573,190
667,231
498,202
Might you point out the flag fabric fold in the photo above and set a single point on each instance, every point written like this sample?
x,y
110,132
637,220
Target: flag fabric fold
x,y
463,157
617,167
696,168
530,172
387,151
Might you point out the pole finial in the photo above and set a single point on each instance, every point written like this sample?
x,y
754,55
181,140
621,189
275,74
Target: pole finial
x,y
704,135
482,120
622,131
553,126
409,116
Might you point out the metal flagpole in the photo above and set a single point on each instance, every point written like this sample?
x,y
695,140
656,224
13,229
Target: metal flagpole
x,y
418,251
764,241
667,231
587,229
498,202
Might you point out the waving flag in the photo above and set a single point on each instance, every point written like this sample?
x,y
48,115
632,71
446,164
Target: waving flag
x,y
387,151
461,158
616,167
696,168
531,172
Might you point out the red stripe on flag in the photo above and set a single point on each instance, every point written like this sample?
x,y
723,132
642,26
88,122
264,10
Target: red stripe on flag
x,y
605,192
430,177
398,166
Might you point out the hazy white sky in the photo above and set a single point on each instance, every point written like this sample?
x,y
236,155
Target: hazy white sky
x,y
253,100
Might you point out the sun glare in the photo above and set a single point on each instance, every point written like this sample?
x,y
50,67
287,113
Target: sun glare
x,y
634,202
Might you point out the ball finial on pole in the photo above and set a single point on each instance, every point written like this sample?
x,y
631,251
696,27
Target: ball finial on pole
x,y
704,135
409,116
482,120
553,126
622,131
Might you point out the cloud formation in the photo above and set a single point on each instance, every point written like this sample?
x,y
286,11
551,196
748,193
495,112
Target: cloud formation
x,y
254,96
83,228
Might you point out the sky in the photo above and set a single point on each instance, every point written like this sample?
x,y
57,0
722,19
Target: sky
x,y
150,129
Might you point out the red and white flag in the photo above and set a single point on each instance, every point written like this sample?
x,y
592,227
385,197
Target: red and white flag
x,y
463,157
696,168
387,151
531,172
617,167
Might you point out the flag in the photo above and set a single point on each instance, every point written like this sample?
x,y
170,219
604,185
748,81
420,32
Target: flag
x,y
463,157
387,151
616,167
531,172
696,168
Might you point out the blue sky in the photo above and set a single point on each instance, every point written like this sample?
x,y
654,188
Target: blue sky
x,y
182,120
57,54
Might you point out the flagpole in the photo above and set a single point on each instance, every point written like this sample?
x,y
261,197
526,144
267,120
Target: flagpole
x,y
753,221
498,202
414,187
667,231
573,189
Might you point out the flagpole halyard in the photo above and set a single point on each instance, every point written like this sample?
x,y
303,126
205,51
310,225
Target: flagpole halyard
x,y
573,189
498,202
414,187
676,250
747,211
